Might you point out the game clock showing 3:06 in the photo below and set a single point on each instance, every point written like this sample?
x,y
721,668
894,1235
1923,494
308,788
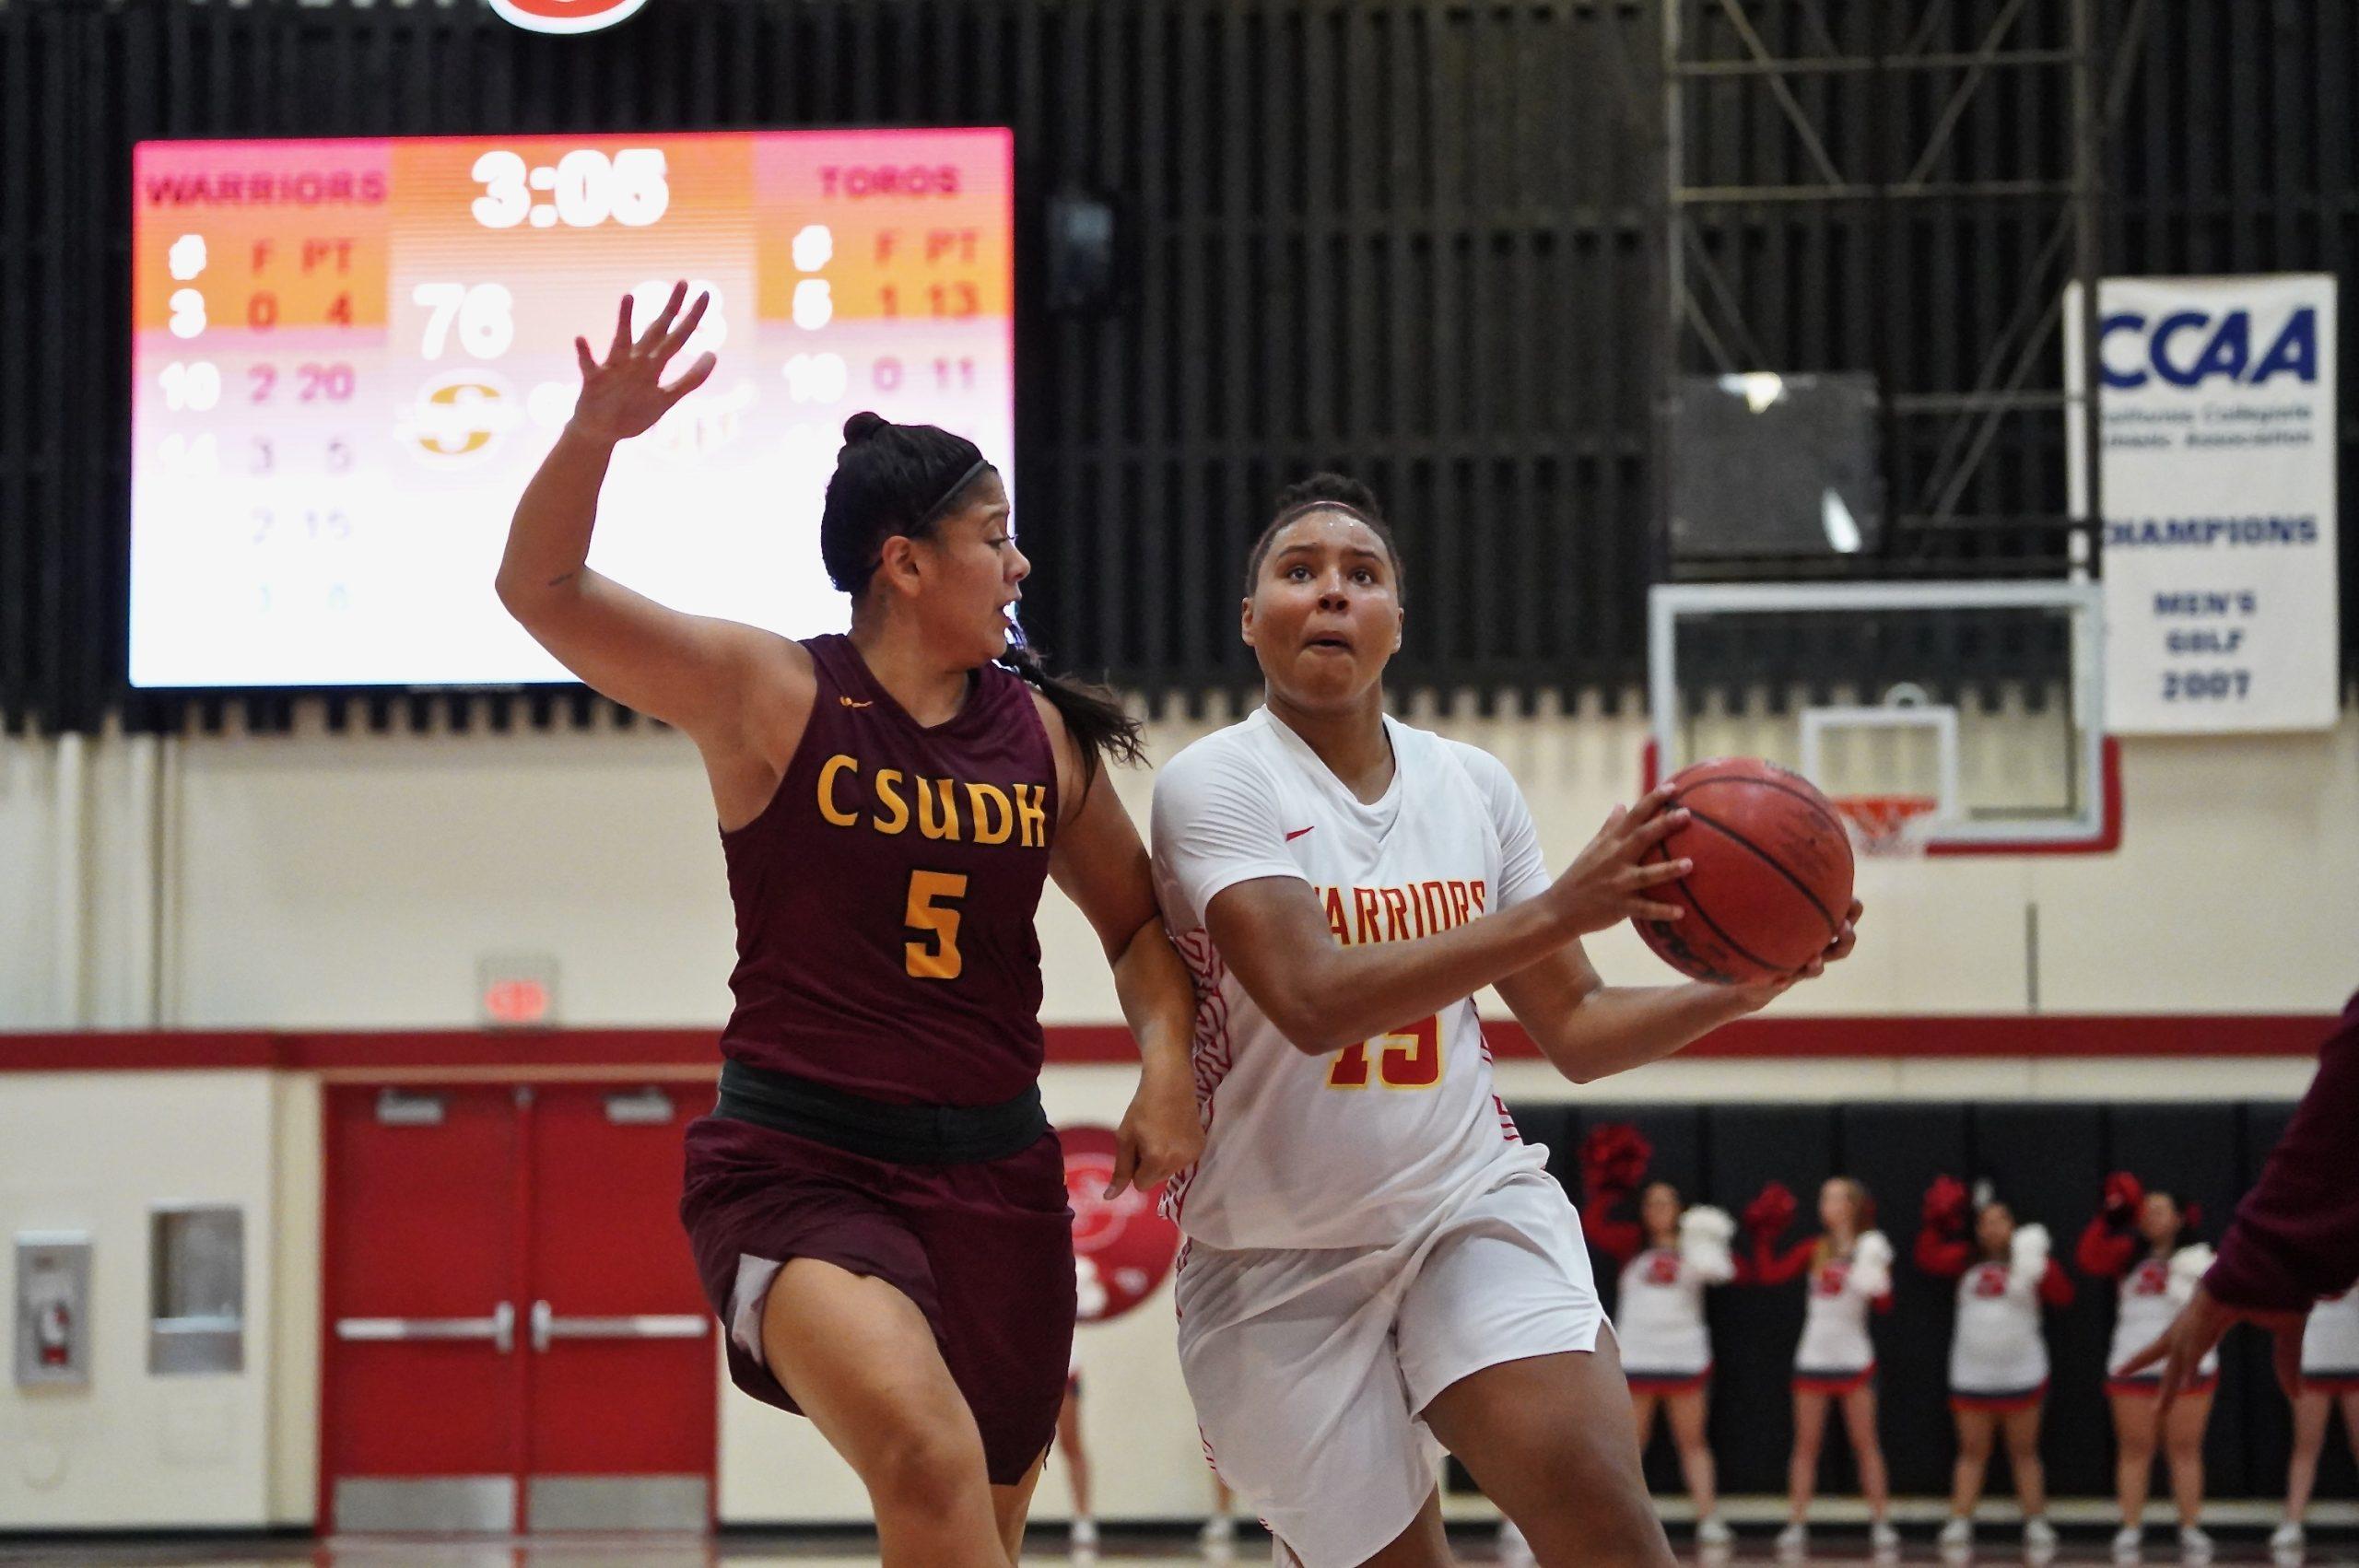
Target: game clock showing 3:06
x,y
348,356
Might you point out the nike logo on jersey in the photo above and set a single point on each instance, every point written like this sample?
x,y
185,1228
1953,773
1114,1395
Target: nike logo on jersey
x,y
1299,833
849,703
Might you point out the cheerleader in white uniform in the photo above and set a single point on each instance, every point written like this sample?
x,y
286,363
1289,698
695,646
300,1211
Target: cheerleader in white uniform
x,y
1997,1352
2330,1377
2135,1239
1849,1271
1670,1256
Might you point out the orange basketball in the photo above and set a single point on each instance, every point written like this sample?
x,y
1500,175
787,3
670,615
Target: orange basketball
x,y
1773,873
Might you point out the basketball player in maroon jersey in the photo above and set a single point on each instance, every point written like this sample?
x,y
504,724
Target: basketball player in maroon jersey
x,y
878,1206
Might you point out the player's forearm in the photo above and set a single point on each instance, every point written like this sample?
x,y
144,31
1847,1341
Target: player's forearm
x,y
1356,993
1614,1028
549,539
1159,1000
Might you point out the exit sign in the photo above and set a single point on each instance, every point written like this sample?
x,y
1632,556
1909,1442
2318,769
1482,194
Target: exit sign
x,y
516,990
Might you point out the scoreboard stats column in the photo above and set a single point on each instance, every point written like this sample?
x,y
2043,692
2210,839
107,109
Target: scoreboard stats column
x,y
349,357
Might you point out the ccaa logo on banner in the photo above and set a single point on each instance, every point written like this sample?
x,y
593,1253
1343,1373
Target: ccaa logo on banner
x,y
565,15
2220,499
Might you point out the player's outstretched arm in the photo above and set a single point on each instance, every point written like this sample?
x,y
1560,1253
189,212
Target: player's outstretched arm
x,y
1588,1030
692,672
1273,933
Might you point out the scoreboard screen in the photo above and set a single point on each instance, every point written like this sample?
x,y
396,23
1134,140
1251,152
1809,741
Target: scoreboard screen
x,y
349,357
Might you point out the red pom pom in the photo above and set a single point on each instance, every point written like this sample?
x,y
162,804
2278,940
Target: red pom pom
x,y
2123,1194
1772,1211
1945,1203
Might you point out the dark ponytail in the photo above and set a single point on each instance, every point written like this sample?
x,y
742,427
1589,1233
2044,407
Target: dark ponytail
x,y
903,479
1101,726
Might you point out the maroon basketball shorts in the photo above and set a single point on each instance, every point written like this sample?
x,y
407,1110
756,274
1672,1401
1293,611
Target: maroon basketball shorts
x,y
984,1249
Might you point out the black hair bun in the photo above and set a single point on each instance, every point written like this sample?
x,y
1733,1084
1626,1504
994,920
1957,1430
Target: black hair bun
x,y
861,426
1330,487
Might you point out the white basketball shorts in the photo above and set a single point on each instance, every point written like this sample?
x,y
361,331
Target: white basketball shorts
x,y
1309,1368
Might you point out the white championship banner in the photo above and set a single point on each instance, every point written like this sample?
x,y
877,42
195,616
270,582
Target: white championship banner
x,y
2219,495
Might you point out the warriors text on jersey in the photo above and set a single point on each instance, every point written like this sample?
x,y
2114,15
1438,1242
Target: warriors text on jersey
x,y
1358,1147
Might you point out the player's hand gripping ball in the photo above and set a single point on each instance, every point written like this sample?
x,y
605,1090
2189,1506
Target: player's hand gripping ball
x,y
1770,891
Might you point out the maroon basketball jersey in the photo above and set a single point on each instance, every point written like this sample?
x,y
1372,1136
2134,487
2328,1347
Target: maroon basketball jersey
x,y
886,895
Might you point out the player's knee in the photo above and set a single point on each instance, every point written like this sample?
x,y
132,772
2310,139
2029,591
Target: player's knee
x,y
1631,1538
923,1467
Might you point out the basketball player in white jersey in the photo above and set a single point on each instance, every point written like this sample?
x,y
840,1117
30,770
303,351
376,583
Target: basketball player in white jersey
x,y
2152,1288
2330,1377
1377,1267
1998,1350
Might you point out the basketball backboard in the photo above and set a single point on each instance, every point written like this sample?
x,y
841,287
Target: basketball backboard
x,y
1946,717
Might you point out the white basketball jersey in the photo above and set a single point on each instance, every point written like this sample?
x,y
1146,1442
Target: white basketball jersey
x,y
1355,1148
1659,1316
1998,1347
2331,1343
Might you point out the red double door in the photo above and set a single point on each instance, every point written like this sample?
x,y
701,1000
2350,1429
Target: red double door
x,y
515,1339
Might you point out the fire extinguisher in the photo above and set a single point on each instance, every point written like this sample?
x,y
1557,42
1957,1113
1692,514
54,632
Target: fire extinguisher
x,y
54,1334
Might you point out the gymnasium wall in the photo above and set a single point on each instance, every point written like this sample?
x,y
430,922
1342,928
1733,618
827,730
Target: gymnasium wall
x,y
351,882
91,1150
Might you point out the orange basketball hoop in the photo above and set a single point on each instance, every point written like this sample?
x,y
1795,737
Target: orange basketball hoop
x,y
1889,824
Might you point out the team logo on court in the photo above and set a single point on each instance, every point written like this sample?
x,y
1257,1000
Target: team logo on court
x,y
565,15
1121,1246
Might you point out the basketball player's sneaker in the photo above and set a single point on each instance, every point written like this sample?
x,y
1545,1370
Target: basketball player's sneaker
x,y
1793,1541
2287,1543
1084,1542
1217,1539
1514,1549
1713,1531
1882,1540
2129,1543
2039,1540
2194,1546
1956,1538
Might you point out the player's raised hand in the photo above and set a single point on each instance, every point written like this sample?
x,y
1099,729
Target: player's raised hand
x,y
626,393
1612,881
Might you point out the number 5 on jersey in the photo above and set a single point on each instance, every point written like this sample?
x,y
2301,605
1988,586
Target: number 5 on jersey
x,y
933,913
1409,1058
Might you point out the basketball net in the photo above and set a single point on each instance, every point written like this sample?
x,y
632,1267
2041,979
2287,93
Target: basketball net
x,y
1896,825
